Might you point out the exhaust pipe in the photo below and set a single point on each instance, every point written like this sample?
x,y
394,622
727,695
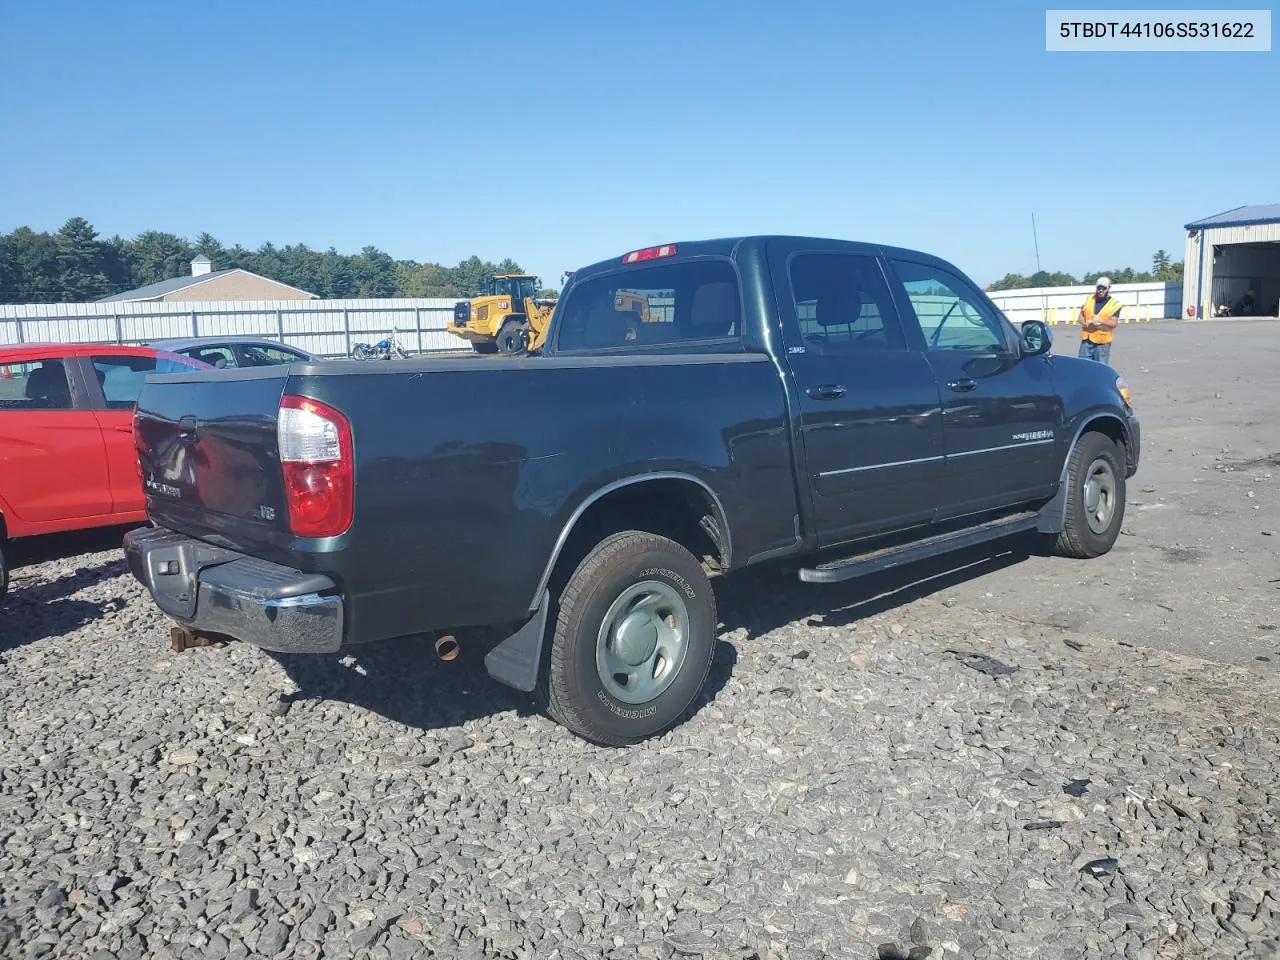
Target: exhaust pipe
x,y
447,648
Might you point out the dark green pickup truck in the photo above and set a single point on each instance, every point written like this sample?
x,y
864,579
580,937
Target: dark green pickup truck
x,y
852,405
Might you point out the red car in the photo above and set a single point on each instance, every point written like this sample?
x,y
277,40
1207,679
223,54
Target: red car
x,y
67,459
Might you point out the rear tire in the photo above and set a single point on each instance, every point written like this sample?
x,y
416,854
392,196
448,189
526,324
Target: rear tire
x,y
633,642
1094,510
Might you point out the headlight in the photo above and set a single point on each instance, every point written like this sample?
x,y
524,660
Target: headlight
x,y
1124,391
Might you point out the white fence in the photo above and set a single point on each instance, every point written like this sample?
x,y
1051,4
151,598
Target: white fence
x,y
331,327
326,327
1142,302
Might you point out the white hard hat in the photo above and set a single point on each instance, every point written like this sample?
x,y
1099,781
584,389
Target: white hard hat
x,y
1103,282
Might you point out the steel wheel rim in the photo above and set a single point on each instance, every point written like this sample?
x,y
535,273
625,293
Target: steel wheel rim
x,y
642,642
1099,495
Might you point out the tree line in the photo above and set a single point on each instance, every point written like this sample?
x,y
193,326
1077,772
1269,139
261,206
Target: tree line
x,y
75,265
1162,268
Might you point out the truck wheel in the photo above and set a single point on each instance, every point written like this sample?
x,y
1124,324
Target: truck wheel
x,y
511,338
4,574
633,641
1095,498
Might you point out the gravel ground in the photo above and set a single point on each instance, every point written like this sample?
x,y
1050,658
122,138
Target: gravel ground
x,y
908,778
1197,571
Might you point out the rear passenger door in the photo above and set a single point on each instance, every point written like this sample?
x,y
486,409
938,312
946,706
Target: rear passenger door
x,y
1002,414
870,419
119,379
53,464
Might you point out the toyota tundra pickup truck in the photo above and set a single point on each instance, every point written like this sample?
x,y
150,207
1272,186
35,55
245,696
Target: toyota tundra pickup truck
x,y
847,405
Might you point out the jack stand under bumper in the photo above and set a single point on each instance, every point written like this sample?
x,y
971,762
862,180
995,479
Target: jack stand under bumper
x,y
181,637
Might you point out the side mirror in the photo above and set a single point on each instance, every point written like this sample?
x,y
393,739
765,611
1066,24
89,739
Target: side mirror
x,y
1036,338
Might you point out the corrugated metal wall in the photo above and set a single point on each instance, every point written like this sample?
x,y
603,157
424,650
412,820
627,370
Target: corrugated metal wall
x,y
327,327
1142,302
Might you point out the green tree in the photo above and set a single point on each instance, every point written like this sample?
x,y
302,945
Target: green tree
x,y
206,245
81,269
1010,281
30,268
1043,278
160,256
1164,269
75,264
374,273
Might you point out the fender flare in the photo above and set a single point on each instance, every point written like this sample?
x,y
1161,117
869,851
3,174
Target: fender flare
x,y
597,495
1053,513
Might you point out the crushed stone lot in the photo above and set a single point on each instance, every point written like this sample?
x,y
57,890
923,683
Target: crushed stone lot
x,y
905,780
1000,755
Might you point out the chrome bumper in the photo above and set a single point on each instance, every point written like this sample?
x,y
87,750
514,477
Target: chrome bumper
x,y
215,590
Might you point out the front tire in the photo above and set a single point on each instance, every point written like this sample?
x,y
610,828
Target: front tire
x,y
633,642
511,338
1094,510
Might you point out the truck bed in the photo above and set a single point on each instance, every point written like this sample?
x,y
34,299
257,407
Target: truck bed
x,y
453,454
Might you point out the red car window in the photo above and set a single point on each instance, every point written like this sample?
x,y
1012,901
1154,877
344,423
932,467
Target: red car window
x,y
36,385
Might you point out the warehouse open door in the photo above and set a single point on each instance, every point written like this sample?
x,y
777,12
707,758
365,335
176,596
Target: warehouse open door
x,y
1246,280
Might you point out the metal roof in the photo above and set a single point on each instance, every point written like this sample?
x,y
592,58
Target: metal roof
x,y
1241,216
152,290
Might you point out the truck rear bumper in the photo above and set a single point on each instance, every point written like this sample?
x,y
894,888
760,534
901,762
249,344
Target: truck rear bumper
x,y
215,590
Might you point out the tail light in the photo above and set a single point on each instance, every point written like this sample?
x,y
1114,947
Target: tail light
x,y
318,464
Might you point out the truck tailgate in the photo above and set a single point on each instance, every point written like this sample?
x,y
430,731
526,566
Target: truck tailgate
x,y
209,456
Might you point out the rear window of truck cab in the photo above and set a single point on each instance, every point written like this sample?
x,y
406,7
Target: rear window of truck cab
x,y
643,306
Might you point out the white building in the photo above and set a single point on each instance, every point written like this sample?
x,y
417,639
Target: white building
x,y
1235,258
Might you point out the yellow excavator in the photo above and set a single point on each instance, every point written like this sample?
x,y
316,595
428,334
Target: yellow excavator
x,y
509,317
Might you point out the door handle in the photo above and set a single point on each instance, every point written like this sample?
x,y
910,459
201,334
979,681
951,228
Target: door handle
x,y
962,386
827,391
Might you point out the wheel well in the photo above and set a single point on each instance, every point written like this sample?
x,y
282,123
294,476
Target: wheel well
x,y
1109,427
671,507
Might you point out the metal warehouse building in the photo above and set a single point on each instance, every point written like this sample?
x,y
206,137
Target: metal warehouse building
x,y
1234,257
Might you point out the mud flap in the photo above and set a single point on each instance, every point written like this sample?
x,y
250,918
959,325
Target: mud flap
x,y
1053,515
515,661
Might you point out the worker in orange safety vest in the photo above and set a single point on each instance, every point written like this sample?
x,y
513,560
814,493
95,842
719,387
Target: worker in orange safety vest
x,y
1098,319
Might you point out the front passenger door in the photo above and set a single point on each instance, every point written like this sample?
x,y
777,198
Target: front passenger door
x,y
1002,415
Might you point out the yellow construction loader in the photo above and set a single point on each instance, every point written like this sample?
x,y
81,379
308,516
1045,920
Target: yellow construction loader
x,y
509,317
506,317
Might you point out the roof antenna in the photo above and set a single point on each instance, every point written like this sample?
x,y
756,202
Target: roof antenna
x,y
1036,240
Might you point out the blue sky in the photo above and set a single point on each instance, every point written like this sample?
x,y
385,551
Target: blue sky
x,y
568,132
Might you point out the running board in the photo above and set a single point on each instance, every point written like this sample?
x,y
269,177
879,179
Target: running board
x,y
864,563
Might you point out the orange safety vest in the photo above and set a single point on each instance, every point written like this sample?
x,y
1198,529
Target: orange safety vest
x,y
1109,310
